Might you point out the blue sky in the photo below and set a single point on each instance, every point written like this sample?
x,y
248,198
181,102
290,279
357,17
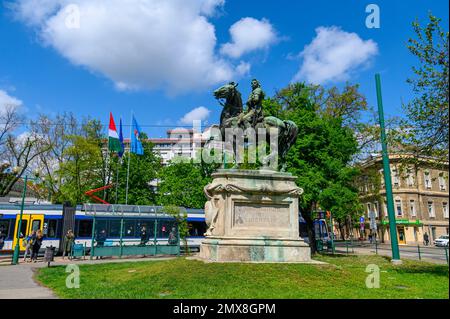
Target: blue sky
x,y
104,66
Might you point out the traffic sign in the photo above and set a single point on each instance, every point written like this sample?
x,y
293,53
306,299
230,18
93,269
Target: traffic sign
x,y
361,219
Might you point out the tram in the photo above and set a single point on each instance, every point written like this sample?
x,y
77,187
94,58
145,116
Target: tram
x,y
55,220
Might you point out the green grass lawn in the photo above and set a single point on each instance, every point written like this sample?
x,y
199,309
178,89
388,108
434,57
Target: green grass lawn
x,y
342,277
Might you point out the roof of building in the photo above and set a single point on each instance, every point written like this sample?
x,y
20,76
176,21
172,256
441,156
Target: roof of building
x,y
376,158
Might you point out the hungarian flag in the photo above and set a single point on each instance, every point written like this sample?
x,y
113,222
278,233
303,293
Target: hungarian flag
x,y
113,137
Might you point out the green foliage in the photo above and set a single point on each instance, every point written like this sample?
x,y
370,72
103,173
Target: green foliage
x,y
427,113
143,170
322,154
80,171
181,184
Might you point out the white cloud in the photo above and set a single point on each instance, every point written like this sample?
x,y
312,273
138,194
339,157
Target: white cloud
x,y
249,34
7,100
200,113
138,44
333,55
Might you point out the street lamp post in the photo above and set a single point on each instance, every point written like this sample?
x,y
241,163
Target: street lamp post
x,y
387,178
15,259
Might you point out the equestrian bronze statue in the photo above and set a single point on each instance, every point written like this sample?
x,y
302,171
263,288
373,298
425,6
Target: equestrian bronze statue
x,y
234,116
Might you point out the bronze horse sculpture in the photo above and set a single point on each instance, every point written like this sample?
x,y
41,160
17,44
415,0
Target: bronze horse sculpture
x,y
232,115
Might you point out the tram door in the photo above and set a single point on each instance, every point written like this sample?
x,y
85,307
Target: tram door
x,y
29,223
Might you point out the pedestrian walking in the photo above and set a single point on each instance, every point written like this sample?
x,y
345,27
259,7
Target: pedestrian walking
x,y
28,244
37,243
426,239
69,240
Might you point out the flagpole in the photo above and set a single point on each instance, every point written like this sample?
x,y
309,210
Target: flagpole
x,y
117,177
129,159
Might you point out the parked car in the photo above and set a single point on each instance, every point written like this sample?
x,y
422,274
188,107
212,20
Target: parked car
x,y
441,241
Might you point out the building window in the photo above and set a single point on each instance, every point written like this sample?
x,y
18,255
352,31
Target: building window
x,y
381,178
369,209
385,209
412,207
442,183
396,178
431,209
410,177
445,209
375,208
427,179
398,207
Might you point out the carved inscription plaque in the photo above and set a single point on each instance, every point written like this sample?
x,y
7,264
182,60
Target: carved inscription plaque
x,y
248,215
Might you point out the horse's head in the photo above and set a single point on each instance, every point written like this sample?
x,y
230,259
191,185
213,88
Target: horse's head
x,y
226,91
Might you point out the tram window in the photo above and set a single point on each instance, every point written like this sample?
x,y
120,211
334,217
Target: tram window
x,y
164,228
114,228
129,228
84,228
23,228
4,228
35,225
101,225
149,226
196,229
50,227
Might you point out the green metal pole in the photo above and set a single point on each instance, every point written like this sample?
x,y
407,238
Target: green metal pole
x,y
15,259
387,177
121,237
332,233
178,239
92,240
154,237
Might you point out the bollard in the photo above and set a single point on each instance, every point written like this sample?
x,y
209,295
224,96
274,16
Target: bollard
x,y
376,247
418,249
446,254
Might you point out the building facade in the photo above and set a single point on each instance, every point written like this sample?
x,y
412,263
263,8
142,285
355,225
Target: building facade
x,y
420,193
178,143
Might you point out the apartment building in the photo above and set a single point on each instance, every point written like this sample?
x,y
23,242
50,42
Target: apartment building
x,y
420,193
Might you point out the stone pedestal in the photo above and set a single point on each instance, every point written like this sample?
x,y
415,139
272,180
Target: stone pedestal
x,y
253,217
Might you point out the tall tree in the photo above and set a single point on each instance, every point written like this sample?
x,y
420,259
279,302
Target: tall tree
x,y
321,156
142,179
427,113
182,183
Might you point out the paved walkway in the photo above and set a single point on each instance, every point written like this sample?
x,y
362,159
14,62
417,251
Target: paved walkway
x,y
16,281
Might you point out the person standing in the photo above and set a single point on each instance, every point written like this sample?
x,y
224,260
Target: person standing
x,y
69,240
144,237
173,237
426,239
36,245
28,242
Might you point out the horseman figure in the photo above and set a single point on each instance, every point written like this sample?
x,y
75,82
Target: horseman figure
x,y
233,117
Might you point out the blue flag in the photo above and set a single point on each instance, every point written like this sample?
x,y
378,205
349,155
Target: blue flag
x,y
121,140
136,145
